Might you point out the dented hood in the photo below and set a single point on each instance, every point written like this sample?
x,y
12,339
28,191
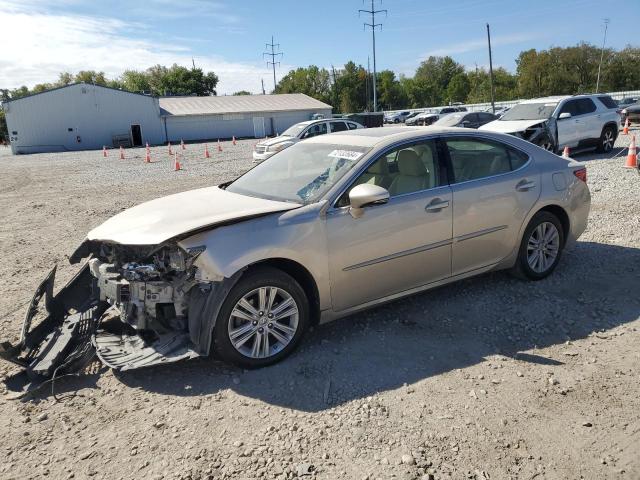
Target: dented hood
x,y
510,126
156,221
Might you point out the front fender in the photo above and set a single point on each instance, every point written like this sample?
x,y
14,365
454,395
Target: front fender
x,y
298,235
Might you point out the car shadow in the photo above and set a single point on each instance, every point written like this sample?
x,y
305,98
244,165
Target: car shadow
x,y
418,337
422,336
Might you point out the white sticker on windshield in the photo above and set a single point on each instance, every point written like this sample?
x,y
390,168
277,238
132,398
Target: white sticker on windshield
x,y
346,154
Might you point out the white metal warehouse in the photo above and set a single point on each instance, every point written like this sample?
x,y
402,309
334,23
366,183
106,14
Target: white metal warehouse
x,y
84,117
203,118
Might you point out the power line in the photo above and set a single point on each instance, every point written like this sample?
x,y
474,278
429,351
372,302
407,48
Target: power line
x,y
373,26
273,54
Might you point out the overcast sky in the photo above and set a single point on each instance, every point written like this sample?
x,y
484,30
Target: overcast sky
x,y
41,38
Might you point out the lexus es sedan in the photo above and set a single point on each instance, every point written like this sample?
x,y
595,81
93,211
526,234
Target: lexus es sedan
x,y
327,227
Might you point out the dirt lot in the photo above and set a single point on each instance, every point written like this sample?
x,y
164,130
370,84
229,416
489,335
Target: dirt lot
x,y
489,378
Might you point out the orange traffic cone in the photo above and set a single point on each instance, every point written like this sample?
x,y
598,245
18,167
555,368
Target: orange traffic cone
x,y
219,146
625,130
206,151
104,151
182,144
176,164
234,139
632,156
170,151
565,152
121,153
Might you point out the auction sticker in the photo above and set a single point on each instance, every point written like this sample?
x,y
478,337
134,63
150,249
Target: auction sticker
x,y
346,154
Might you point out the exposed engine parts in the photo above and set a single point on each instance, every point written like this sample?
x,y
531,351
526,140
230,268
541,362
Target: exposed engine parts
x,y
149,296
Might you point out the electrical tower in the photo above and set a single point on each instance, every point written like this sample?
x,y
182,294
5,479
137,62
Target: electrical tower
x,y
273,54
373,26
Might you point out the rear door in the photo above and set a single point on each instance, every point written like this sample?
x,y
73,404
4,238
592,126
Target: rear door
x,y
337,126
590,120
494,186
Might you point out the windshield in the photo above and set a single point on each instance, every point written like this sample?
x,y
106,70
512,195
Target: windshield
x,y
530,111
450,120
294,130
302,173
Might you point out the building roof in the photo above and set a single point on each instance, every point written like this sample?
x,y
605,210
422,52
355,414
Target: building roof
x,y
217,105
73,85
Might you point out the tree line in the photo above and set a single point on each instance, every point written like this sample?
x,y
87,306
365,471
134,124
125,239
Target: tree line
x,y
441,80
436,81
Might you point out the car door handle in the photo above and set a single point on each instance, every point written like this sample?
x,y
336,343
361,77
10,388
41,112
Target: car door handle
x,y
525,185
436,205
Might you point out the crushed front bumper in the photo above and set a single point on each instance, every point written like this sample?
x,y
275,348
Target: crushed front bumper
x,y
75,326
61,342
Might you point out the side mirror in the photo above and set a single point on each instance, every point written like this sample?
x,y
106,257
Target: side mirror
x,y
465,123
564,115
366,194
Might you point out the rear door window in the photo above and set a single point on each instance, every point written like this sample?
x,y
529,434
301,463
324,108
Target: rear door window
x,y
338,127
571,106
352,126
586,106
473,158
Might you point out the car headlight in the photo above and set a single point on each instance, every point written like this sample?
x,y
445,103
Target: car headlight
x,y
624,111
278,147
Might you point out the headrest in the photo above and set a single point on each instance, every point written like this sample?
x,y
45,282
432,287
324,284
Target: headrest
x,y
379,168
409,164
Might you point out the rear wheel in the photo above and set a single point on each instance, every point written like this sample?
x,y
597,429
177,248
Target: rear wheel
x,y
262,319
540,248
607,139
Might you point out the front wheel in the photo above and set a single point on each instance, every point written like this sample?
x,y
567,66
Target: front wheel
x,y
546,143
540,248
262,320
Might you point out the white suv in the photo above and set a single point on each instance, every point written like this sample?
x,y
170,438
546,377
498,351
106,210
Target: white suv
x,y
300,131
579,121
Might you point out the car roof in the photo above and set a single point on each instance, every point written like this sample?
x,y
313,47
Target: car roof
x,y
382,136
310,122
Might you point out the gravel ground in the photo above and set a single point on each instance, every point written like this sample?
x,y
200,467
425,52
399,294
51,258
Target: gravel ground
x,y
488,378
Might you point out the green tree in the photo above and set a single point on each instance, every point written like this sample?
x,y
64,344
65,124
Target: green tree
x,y
458,88
390,93
242,92
312,81
90,76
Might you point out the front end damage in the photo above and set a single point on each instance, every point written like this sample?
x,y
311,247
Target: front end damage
x,y
132,306
541,133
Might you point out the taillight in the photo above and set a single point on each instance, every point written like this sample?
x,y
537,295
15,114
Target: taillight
x,y
581,173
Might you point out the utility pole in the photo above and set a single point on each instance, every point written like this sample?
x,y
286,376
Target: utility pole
x,y
273,54
373,26
493,104
606,25
366,84
193,62
262,81
336,94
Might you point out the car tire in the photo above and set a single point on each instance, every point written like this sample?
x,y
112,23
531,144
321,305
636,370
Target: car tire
x,y
542,225
607,140
229,324
545,143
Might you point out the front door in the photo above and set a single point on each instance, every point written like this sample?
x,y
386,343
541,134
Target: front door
x,y
494,187
397,246
568,127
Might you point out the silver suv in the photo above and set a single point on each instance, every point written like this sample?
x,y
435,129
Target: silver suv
x,y
579,121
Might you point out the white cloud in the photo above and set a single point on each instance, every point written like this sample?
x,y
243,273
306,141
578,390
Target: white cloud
x,y
480,44
39,44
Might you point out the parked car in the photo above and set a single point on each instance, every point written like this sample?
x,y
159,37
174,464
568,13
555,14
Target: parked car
x,y
579,121
435,114
327,227
466,120
300,131
397,117
626,101
631,113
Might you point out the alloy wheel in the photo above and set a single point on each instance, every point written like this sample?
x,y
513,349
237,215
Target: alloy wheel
x,y
607,140
543,247
263,322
